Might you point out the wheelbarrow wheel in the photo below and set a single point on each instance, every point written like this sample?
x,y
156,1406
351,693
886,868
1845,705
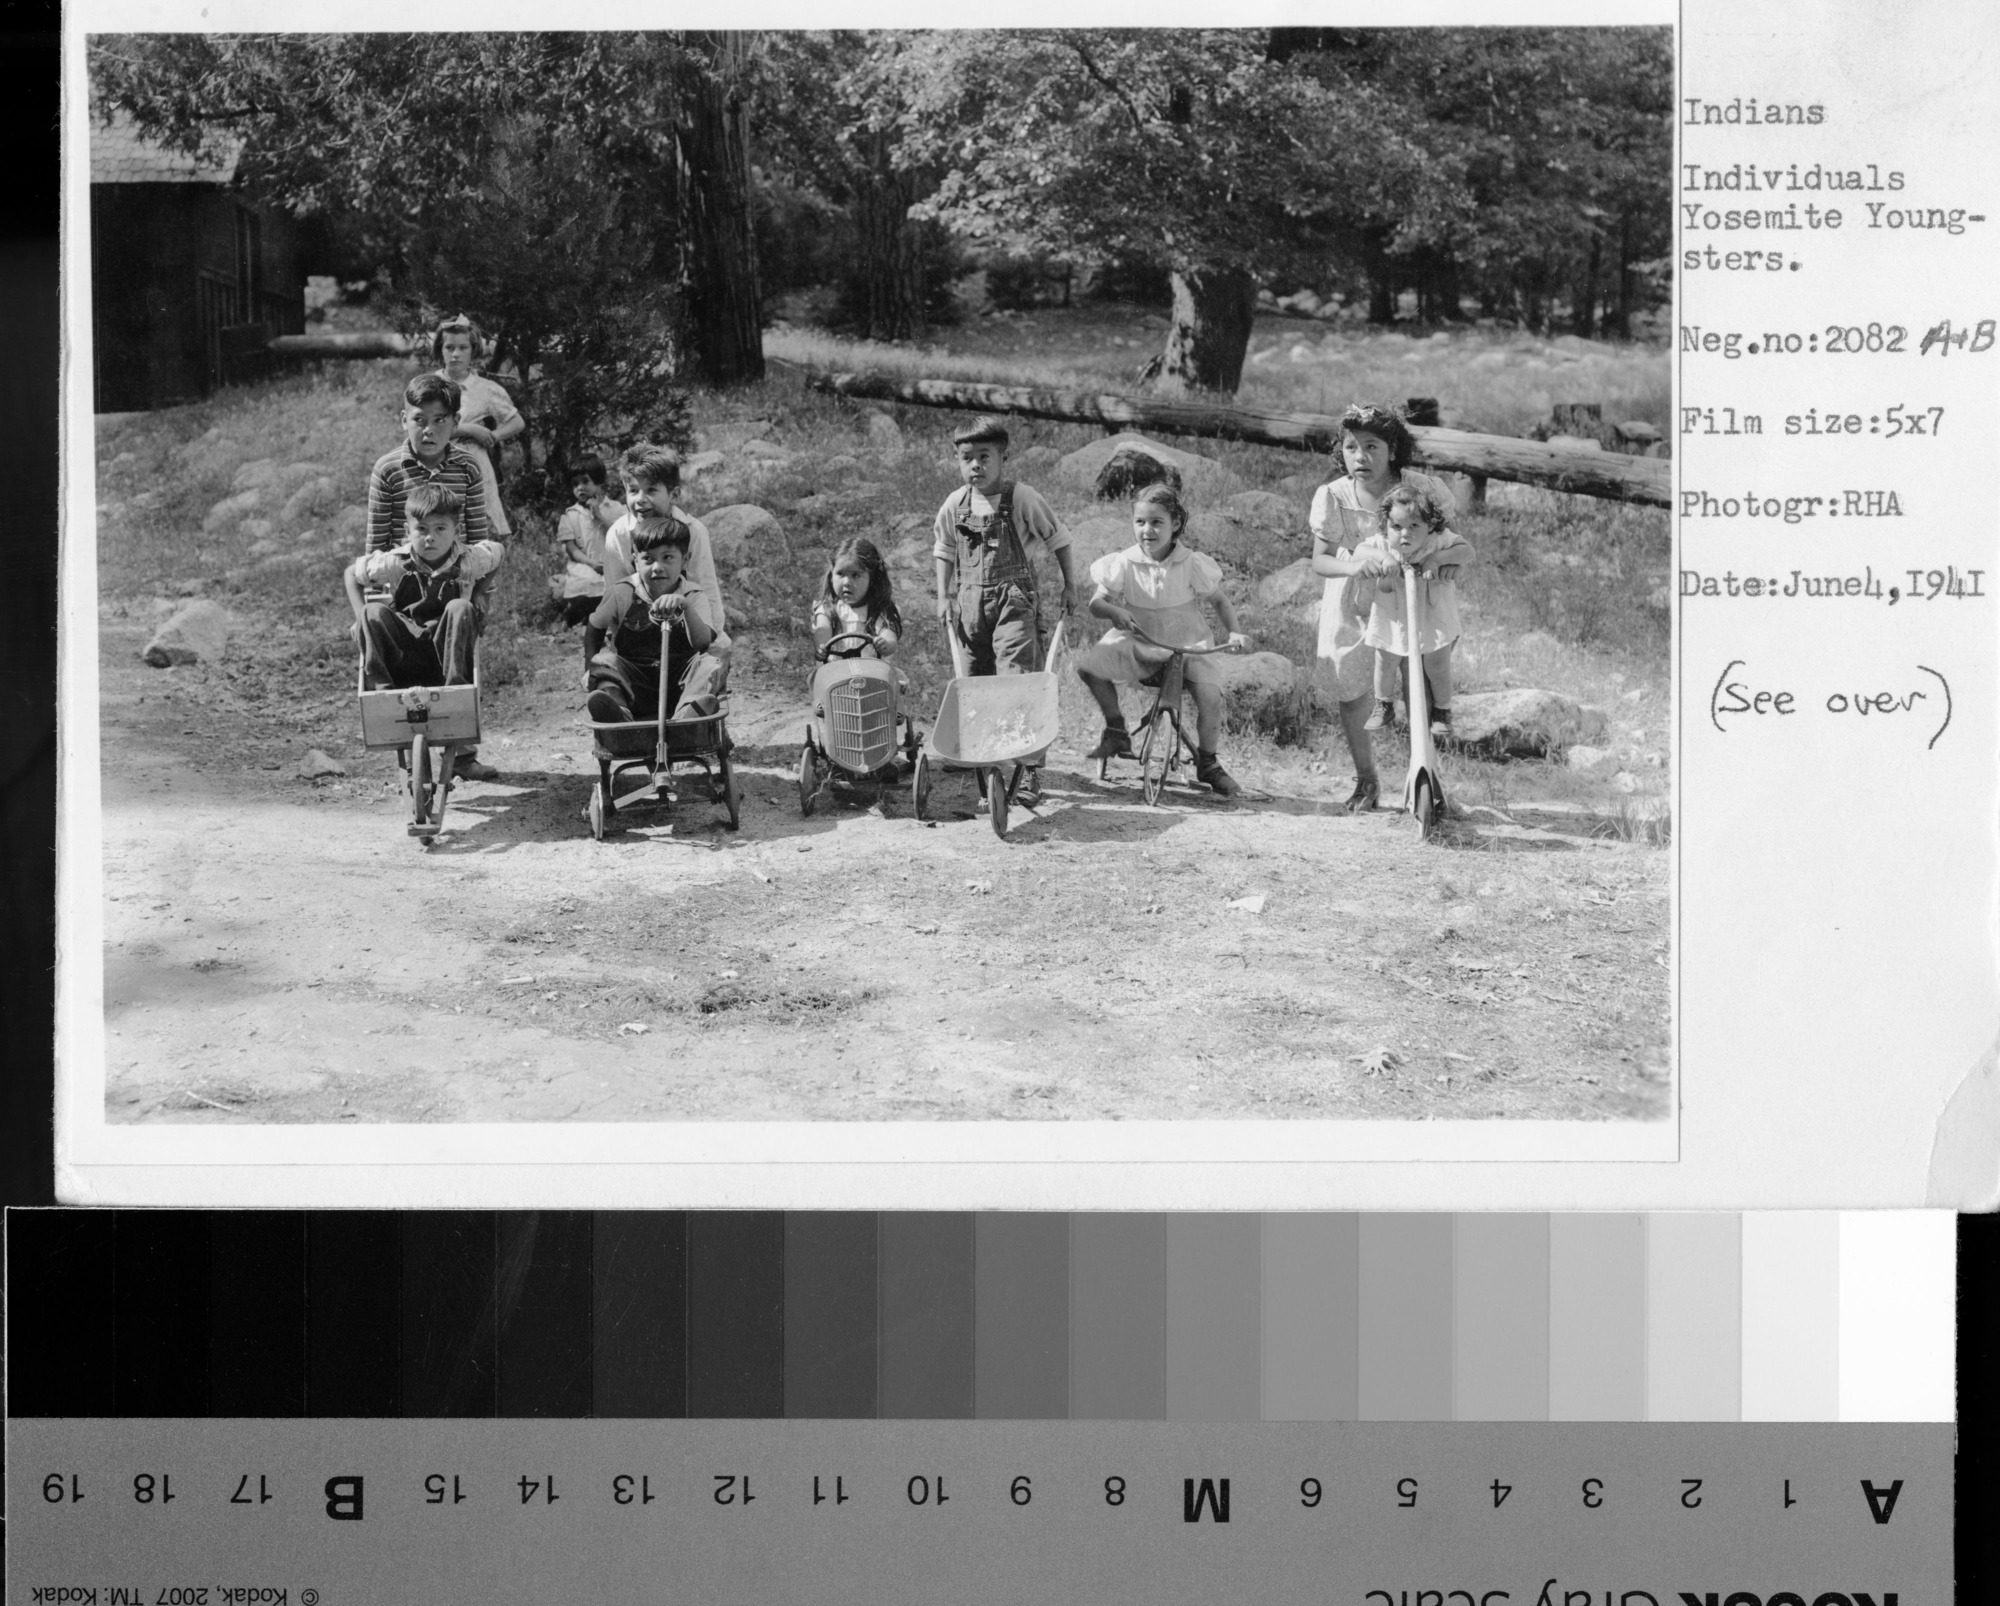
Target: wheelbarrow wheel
x,y
1156,756
730,797
595,811
920,783
808,780
996,799
1426,806
420,781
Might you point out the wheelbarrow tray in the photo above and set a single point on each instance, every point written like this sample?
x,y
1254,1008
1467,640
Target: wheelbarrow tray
x,y
987,720
443,713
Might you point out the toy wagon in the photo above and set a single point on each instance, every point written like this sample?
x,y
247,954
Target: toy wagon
x,y
651,747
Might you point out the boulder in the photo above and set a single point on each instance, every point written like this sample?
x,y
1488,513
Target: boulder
x,y
1591,760
691,466
743,532
1128,471
318,766
1204,478
1091,537
763,451
1239,545
1300,487
263,471
197,633
1295,582
314,497
1258,688
257,530
231,509
1522,722
883,433
840,463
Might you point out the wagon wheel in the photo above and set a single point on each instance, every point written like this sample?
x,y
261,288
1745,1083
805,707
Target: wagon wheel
x,y
1157,754
920,783
595,812
996,800
808,780
420,781
729,793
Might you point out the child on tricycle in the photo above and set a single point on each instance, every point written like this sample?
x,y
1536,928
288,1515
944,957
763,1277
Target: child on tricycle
x,y
1152,593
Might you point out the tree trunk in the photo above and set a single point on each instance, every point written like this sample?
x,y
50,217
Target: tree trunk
x,y
1210,331
890,304
1619,322
718,254
1583,310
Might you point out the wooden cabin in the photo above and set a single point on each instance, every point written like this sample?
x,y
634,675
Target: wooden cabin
x,y
189,278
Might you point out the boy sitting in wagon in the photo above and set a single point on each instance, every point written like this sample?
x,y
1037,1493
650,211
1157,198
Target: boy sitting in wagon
x,y
422,632
621,643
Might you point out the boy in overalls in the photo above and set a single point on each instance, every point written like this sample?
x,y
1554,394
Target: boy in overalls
x,y
985,580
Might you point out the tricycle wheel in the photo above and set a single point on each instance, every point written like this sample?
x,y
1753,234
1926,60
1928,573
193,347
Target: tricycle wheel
x,y
1155,754
920,783
420,779
808,780
595,812
996,800
729,795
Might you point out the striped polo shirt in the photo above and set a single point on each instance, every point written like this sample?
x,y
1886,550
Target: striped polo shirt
x,y
396,473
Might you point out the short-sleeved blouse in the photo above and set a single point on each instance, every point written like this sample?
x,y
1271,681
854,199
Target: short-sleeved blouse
x,y
482,401
1164,597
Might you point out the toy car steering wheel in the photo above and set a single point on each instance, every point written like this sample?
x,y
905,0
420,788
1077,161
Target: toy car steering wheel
x,y
861,636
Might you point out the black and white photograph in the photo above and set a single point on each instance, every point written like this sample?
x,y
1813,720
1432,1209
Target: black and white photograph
x,y
976,576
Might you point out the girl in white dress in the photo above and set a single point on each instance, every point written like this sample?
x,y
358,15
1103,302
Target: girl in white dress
x,y
487,416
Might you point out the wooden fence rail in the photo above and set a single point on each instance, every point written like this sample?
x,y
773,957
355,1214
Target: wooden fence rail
x,y
1612,475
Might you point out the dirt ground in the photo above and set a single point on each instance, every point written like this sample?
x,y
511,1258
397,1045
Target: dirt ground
x,y
279,950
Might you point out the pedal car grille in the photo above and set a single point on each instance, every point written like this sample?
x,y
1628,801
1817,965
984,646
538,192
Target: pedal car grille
x,y
860,723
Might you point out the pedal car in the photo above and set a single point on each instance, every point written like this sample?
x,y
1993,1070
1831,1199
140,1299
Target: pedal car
x,y
852,733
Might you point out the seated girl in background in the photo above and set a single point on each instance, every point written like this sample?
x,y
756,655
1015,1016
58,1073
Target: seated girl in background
x,y
1416,534
856,601
580,539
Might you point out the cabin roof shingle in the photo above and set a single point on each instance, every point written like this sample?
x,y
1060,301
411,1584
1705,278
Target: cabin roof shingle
x,y
120,154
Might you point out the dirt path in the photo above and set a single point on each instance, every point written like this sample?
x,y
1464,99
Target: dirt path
x,y
279,951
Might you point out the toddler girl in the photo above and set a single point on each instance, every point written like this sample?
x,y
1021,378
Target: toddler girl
x,y
1416,534
856,600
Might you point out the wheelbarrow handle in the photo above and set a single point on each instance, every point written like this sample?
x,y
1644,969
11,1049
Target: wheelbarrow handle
x,y
1193,652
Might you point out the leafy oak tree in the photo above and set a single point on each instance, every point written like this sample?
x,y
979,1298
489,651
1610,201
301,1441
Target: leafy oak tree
x,y
1191,149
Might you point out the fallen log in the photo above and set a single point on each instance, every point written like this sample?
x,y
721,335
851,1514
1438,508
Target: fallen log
x,y
1501,457
360,343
